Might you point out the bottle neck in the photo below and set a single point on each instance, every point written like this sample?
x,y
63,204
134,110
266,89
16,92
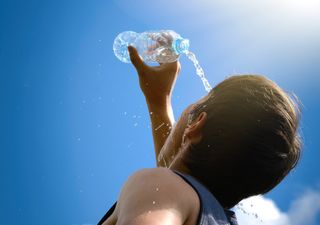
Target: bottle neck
x,y
180,45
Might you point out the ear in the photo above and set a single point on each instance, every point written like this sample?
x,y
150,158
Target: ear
x,y
193,131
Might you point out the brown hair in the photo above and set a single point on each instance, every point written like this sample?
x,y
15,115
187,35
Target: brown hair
x,y
250,139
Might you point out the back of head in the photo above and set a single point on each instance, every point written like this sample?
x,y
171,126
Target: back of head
x,y
250,139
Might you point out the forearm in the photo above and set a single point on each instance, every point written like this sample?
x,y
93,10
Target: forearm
x,y
157,84
162,120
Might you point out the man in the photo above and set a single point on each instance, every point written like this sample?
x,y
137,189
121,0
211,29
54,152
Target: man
x,y
239,140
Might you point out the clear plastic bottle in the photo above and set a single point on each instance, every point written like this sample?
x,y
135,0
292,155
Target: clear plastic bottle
x,y
161,46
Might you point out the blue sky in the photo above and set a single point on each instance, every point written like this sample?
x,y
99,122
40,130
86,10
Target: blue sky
x,y
74,124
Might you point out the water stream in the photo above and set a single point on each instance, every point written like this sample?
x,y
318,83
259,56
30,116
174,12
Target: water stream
x,y
199,70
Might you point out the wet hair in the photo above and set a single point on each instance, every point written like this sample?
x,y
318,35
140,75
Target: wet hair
x,y
250,139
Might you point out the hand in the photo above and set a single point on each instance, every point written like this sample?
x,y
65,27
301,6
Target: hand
x,y
155,82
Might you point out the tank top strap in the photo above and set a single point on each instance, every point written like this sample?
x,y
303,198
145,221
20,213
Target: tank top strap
x,y
109,212
211,211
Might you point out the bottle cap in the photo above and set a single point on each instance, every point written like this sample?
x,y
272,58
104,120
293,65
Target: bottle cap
x,y
180,45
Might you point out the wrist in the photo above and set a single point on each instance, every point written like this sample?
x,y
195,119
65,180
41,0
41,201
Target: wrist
x,y
159,102
161,109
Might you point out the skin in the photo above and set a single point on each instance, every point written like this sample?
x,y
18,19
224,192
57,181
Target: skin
x,y
157,195
157,84
180,138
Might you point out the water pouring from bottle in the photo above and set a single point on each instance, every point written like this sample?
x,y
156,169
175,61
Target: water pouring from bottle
x,y
163,46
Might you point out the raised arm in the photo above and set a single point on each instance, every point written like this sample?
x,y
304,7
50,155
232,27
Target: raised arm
x,y
157,85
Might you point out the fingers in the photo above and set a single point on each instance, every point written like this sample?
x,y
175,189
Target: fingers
x,y
170,66
142,67
136,59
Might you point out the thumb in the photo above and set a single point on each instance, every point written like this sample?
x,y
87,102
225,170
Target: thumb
x,y
136,59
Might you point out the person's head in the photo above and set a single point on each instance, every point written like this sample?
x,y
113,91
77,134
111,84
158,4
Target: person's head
x,y
240,140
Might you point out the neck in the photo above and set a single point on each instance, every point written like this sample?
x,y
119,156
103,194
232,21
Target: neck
x,y
177,165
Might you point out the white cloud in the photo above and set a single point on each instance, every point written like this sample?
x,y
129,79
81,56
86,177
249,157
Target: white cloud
x,y
305,209
260,210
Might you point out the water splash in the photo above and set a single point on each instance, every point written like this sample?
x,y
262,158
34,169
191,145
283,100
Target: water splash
x,y
199,70
242,209
161,158
157,128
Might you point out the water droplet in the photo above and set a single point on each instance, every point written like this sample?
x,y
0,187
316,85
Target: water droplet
x,y
125,113
160,157
149,211
135,124
129,145
79,139
151,113
157,189
84,101
153,202
159,126
99,125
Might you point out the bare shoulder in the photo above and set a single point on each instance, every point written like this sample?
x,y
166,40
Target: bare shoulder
x,y
155,196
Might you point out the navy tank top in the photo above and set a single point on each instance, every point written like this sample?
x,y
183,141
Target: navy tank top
x,y
211,211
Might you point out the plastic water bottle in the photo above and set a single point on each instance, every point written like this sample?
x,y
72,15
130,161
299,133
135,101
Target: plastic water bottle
x,y
161,46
